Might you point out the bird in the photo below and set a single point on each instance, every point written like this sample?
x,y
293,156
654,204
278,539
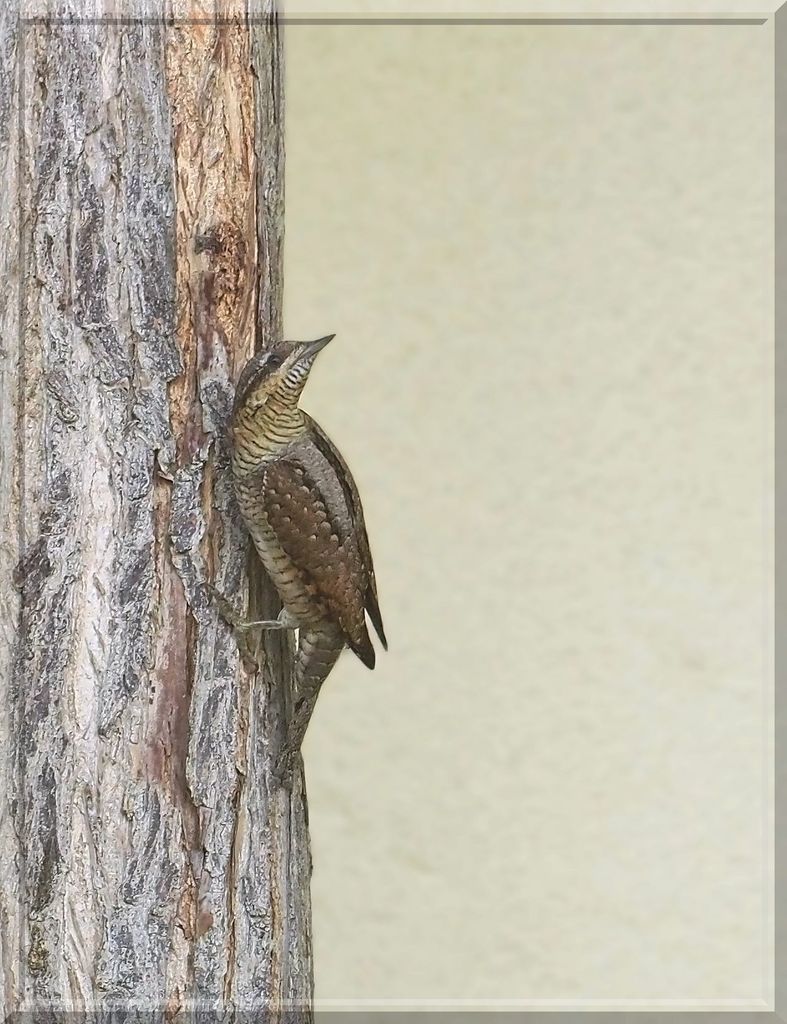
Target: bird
x,y
302,509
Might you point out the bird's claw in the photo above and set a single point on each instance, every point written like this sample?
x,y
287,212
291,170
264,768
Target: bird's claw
x,y
237,624
228,613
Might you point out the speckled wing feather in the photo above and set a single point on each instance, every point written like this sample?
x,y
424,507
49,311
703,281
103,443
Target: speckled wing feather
x,y
333,456
321,548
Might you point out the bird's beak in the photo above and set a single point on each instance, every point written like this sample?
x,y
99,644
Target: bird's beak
x,y
309,349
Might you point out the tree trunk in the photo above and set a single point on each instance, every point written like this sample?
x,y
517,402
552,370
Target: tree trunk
x,y
148,859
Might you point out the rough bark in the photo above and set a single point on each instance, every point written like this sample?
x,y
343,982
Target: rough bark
x,y
149,861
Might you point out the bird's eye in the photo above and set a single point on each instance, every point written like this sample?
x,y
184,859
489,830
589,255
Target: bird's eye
x,y
274,361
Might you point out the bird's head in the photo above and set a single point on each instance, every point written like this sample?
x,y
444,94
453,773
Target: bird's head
x,y
281,370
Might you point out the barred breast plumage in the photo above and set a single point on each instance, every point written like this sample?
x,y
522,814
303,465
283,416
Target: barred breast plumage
x,y
303,512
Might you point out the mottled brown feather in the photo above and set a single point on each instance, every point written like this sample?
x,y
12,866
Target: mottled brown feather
x,y
325,555
332,454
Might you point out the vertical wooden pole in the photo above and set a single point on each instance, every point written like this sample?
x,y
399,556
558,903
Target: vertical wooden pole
x,y
155,863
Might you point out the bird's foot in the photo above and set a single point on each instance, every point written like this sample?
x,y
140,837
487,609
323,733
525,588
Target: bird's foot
x,y
242,627
284,621
234,619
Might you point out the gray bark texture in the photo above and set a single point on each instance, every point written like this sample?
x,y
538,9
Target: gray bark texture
x,y
150,864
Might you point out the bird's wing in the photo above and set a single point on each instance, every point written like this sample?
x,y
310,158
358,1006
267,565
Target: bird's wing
x,y
331,454
303,514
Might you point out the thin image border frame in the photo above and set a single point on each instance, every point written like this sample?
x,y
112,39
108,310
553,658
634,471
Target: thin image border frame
x,y
388,1010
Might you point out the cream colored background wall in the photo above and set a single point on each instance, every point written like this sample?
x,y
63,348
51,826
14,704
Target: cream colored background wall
x,y
547,255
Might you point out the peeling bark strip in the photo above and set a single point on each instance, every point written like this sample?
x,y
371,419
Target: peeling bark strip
x,y
148,860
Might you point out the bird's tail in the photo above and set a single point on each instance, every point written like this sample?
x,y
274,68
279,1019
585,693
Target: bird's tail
x,y
318,651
